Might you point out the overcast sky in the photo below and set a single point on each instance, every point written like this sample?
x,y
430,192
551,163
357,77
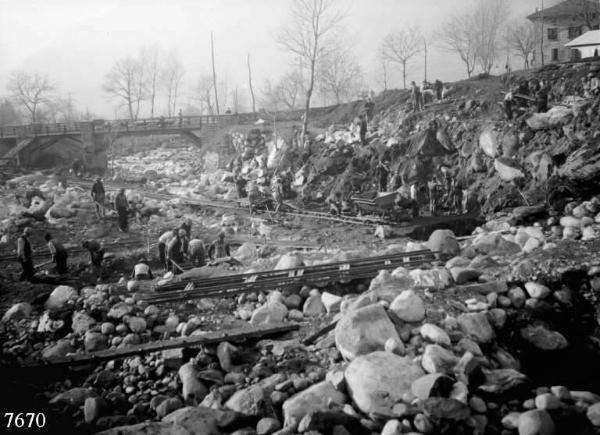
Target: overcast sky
x,y
75,42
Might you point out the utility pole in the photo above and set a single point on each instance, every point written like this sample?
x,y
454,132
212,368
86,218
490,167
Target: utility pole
x,y
542,36
425,45
212,52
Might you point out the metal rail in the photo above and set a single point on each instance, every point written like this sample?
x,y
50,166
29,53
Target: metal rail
x,y
237,334
268,280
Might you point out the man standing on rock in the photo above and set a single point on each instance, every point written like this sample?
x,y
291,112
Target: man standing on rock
x,y
277,193
59,254
24,253
417,98
432,187
98,195
122,206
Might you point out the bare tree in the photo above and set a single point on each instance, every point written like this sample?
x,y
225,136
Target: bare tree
x,y
205,90
214,72
488,21
62,109
125,82
285,93
308,36
523,40
30,91
458,35
172,77
250,85
150,58
401,46
340,76
588,11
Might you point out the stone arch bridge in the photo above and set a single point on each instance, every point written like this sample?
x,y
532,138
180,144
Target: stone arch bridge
x,y
47,145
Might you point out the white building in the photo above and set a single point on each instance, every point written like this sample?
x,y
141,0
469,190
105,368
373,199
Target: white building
x,y
587,44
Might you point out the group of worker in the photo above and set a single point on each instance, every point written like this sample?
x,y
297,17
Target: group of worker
x,y
58,252
175,247
121,204
418,93
280,188
533,93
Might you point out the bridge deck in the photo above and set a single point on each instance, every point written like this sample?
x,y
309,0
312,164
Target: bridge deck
x,y
121,126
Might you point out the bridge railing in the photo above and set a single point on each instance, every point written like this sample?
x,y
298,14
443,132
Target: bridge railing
x,y
119,125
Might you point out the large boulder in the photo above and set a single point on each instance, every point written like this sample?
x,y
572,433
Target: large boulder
x,y
192,388
17,312
436,278
543,338
488,142
271,312
200,420
289,261
379,380
436,359
536,422
508,169
364,330
408,306
60,296
386,286
444,242
477,326
315,398
82,322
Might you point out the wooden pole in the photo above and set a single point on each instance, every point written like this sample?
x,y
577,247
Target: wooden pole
x,y
212,54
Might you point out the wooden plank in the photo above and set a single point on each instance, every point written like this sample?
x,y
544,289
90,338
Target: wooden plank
x,y
182,342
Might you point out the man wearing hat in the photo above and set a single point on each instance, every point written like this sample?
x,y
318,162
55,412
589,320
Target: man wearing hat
x,y
176,252
122,207
24,254
59,254
98,195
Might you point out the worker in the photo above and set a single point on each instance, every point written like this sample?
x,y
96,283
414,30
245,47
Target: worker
x,y
59,254
24,254
541,99
277,190
439,88
141,271
197,252
417,97
98,195
180,115
457,197
404,201
175,252
96,252
508,105
381,172
369,108
122,206
219,248
163,241
240,185
187,227
432,187
363,128
335,203
253,196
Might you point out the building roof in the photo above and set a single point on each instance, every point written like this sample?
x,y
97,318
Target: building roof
x,y
564,9
588,38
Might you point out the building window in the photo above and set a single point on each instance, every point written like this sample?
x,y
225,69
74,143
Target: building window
x,y
595,27
554,54
574,32
552,34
